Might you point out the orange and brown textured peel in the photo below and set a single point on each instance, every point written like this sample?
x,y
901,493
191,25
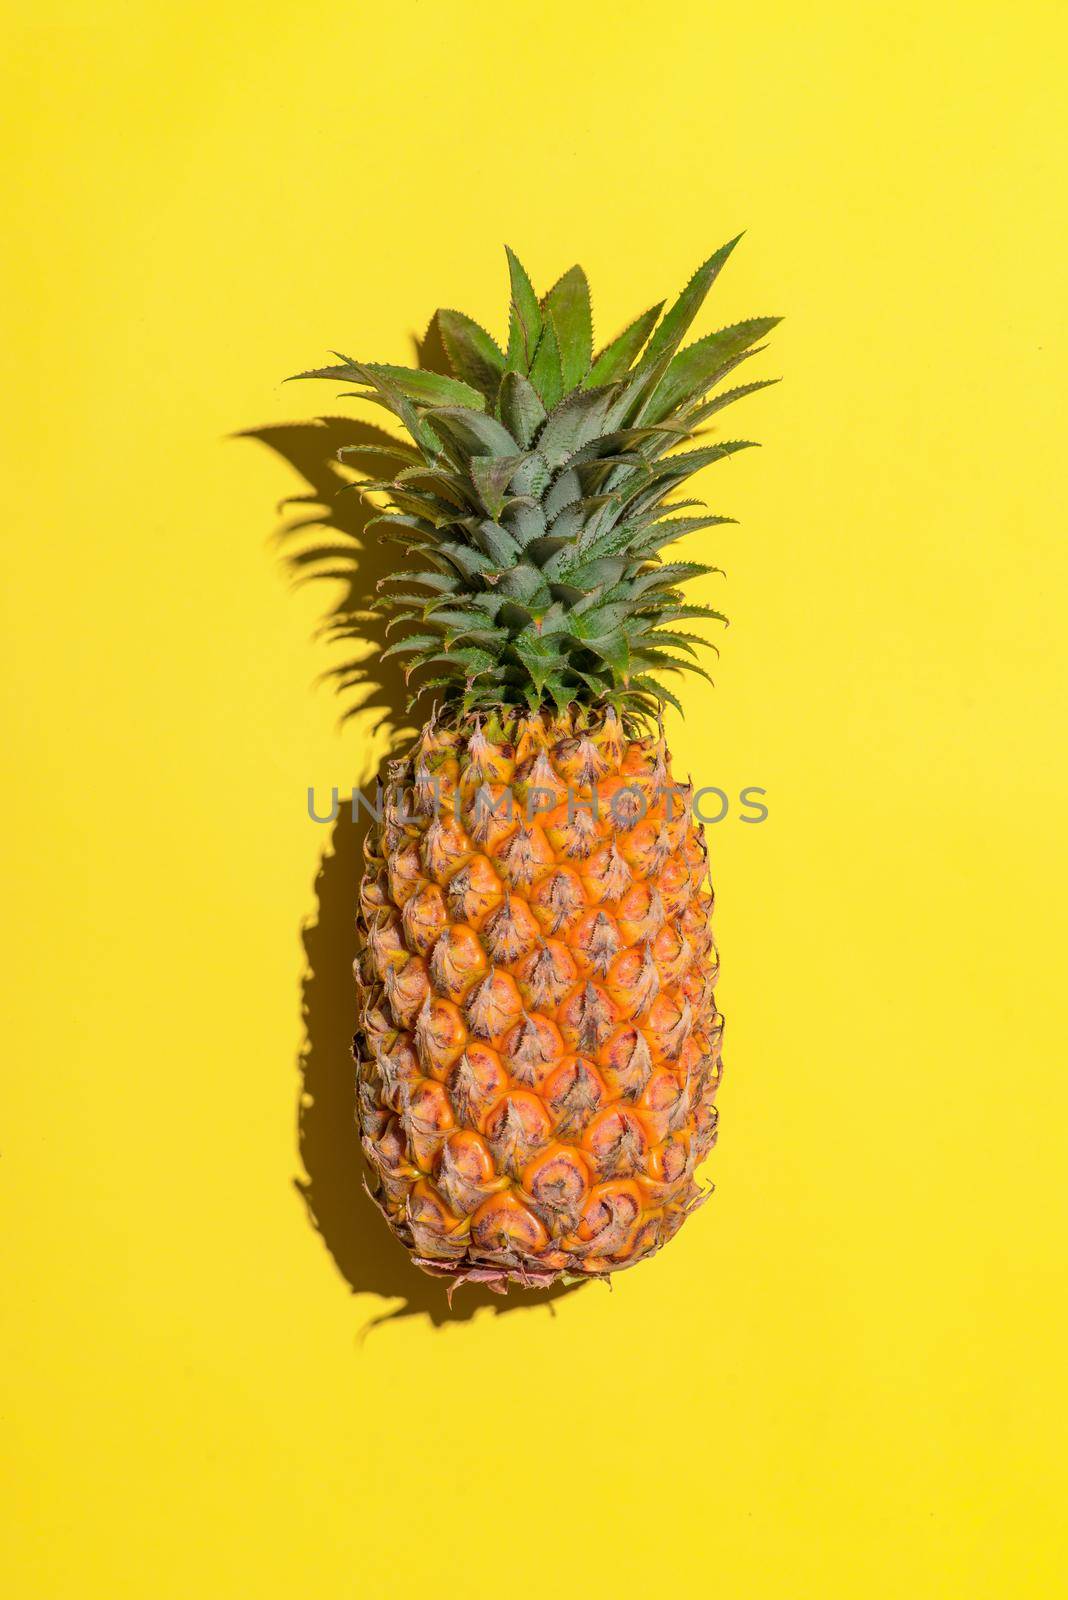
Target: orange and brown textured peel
x,y
538,1044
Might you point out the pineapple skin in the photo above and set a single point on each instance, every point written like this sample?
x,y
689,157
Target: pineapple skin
x,y
538,1045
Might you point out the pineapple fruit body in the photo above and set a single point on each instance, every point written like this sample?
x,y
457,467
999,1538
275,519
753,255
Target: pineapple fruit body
x,y
539,1045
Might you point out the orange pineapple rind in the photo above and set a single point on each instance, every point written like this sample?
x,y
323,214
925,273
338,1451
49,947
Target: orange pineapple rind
x,y
538,1050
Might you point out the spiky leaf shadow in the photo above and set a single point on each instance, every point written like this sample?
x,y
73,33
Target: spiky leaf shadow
x,y
324,536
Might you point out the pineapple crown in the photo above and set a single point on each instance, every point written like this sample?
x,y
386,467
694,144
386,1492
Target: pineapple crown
x,y
539,486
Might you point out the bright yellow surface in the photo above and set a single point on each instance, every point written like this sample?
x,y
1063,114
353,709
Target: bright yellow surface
x,y
844,1378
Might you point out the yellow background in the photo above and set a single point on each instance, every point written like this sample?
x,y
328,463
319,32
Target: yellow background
x,y
845,1377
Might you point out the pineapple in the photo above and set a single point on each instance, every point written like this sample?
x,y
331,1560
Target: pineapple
x,y
538,1044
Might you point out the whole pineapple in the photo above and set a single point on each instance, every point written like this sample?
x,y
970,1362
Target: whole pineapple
x,y
538,1045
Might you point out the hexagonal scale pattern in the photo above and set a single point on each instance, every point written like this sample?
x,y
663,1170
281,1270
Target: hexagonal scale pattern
x,y
538,1049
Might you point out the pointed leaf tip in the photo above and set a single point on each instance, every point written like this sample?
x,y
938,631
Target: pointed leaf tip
x,y
568,305
672,330
525,324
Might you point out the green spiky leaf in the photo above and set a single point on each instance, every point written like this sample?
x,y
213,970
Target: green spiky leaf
x,y
568,305
519,407
665,696
466,434
429,388
617,358
525,322
546,371
491,476
700,365
673,329
473,354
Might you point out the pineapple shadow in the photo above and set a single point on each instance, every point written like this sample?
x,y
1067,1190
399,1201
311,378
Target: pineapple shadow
x,y
324,536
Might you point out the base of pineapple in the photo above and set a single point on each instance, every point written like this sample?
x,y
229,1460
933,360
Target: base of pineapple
x,y
500,1276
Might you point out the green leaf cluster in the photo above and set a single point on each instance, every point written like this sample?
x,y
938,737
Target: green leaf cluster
x,y
541,490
